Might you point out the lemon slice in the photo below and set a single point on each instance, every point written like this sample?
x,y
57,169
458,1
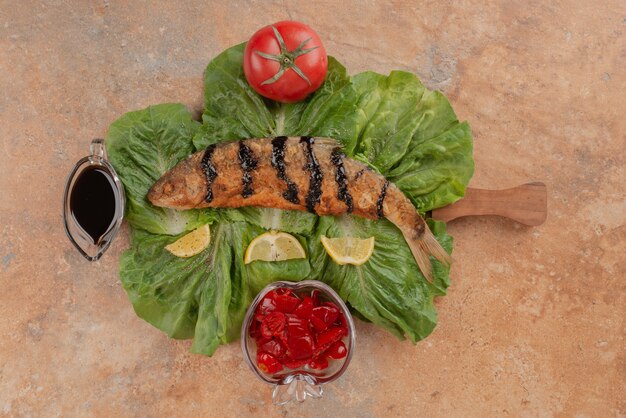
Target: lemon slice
x,y
349,250
274,246
191,244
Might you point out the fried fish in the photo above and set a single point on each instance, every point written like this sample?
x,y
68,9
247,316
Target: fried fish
x,y
294,173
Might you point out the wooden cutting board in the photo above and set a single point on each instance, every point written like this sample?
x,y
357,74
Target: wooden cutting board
x,y
526,204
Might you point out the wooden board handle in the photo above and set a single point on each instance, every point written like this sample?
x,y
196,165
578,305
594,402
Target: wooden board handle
x,y
526,204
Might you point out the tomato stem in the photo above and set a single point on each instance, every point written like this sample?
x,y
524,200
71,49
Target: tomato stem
x,y
286,58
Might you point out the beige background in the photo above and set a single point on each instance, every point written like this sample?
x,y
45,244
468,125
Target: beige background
x,y
534,321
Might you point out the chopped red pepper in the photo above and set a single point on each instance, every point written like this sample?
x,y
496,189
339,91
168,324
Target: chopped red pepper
x,y
294,364
266,306
327,338
273,347
268,363
337,350
305,308
319,363
341,322
323,316
293,332
297,325
286,301
255,329
300,346
315,295
273,324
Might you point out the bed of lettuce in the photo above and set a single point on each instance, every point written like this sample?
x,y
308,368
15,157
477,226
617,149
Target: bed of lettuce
x,y
393,123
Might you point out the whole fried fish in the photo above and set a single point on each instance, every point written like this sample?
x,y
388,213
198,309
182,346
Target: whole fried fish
x,y
294,173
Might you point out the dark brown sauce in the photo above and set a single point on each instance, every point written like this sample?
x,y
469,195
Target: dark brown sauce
x,y
93,202
336,158
248,163
315,174
381,200
209,171
278,162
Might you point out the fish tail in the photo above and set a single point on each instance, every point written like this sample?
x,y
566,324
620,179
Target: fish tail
x,y
423,247
397,208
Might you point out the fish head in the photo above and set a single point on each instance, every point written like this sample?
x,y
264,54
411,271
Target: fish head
x,y
183,187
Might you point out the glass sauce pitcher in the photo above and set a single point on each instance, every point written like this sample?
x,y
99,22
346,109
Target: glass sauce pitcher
x,y
93,203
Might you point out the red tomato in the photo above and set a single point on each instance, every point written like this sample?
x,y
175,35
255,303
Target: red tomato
x,y
285,61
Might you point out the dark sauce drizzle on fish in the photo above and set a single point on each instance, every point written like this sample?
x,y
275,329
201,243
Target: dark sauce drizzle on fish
x,y
248,163
336,158
278,162
381,199
315,174
359,174
209,171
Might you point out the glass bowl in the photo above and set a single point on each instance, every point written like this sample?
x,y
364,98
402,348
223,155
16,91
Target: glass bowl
x,y
302,382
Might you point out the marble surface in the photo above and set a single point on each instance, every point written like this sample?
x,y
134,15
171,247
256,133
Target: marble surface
x,y
534,321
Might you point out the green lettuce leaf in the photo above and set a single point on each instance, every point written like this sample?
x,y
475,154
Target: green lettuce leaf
x,y
142,146
294,222
392,123
233,110
436,171
388,109
389,289
413,137
204,297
